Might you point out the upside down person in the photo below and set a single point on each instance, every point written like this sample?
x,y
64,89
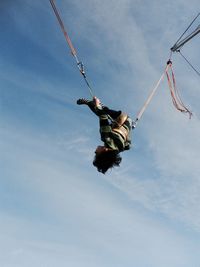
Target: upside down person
x,y
115,131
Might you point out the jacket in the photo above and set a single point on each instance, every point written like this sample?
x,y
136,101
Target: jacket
x,y
116,135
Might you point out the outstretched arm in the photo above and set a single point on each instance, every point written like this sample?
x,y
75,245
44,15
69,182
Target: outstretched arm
x,y
96,106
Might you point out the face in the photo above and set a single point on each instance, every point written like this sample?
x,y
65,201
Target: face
x,y
100,149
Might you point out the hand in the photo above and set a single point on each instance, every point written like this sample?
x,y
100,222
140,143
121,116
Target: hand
x,y
97,102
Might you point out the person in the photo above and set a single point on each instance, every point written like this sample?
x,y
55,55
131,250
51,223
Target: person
x,y
115,131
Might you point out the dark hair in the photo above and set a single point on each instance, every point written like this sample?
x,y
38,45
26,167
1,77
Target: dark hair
x,y
106,160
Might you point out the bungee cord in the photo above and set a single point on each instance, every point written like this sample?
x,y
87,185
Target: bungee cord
x,y
142,110
72,49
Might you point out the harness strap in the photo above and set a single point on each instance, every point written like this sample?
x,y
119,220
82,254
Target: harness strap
x,y
176,99
73,51
120,120
119,127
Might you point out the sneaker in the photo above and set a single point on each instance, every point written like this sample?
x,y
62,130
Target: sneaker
x,y
82,101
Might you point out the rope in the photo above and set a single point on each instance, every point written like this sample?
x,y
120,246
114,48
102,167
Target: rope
x,y
140,113
197,72
72,49
176,100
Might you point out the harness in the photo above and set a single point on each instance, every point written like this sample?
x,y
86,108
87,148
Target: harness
x,y
120,127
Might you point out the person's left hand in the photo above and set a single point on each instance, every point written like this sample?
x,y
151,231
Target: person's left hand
x,y
96,101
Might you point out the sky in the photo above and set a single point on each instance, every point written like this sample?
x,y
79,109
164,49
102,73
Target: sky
x,y
55,208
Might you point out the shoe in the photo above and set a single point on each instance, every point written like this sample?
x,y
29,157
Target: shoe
x,y
82,101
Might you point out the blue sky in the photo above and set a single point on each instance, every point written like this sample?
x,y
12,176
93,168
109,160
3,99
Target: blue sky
x,y
55,208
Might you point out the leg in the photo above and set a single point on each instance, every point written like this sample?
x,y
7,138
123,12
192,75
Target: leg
x,y
99,111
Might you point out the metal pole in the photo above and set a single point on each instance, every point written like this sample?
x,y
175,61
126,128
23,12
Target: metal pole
x,y
185,40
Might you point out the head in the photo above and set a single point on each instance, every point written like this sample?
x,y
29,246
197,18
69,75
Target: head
x,y
106,158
